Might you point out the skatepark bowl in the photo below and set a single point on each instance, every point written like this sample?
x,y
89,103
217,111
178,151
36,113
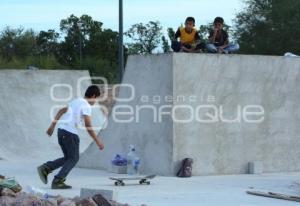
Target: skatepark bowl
x,y
226,111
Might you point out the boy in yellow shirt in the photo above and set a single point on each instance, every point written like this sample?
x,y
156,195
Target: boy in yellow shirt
x,y
189,38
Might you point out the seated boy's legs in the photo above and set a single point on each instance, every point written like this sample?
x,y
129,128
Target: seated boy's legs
x,y
186,48
232,47
176,46
200,47
211,48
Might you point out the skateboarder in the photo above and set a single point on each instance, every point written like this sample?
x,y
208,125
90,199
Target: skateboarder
x,y
71,117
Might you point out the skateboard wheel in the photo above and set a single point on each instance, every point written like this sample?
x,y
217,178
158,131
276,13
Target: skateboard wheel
x,y
148,183
141,182
119,183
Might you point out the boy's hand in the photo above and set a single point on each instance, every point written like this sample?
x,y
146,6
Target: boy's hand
x,y
216,30
88,125
57,117
99,143
101,146
50,130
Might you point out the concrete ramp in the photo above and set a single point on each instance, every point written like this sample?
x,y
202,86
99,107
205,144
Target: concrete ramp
x,y
150,75
25,105
226,111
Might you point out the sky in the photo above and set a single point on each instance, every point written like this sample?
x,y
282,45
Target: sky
x,y
44,15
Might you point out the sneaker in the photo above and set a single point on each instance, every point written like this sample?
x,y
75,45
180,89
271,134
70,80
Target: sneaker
x,y
43,172
59,183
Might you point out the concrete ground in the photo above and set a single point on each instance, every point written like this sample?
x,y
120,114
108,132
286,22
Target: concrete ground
x,y
167,191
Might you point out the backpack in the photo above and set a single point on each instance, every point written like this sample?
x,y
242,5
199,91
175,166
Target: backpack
x,y
186,168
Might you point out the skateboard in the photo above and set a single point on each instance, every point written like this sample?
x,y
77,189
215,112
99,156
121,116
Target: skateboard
x,y
143,180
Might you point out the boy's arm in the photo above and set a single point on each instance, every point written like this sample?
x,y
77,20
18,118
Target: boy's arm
x,y
57,117
177,34
197,38
212,36
89,128
226,42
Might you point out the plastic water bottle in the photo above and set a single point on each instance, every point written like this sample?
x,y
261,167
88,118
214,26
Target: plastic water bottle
x,y
37,192
133,161
136,165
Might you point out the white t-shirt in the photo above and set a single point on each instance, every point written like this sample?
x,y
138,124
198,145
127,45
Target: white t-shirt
x,y
73,118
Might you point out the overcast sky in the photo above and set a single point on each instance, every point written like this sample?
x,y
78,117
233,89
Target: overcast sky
x,y
44,15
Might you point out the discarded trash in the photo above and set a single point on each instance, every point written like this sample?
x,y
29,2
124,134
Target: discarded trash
x,y
31,67
275,195
119,160
133,161
289,54
37,192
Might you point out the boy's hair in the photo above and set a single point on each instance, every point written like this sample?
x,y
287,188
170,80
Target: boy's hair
x,y
192,19
91,91
219,20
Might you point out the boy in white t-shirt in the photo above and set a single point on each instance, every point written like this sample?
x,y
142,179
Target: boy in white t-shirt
x,y
70,119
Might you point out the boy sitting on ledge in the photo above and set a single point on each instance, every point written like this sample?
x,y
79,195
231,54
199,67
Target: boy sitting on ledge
x,y
218,39
189,38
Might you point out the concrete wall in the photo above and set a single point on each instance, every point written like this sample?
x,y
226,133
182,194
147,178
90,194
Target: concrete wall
x,y
222,81
226,148
150,76
25,111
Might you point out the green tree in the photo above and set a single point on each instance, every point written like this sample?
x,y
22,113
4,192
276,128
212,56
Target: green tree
x,y
99,47
8,42
102,51
47,42
165,44
103,44
144,38
26,44
269,27
171,33
78,31
17,43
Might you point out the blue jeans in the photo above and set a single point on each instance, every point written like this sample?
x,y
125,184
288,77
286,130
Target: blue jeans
x,y
211,48
69,144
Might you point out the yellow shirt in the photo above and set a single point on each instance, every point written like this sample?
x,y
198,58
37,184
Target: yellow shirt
x,y
187,38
